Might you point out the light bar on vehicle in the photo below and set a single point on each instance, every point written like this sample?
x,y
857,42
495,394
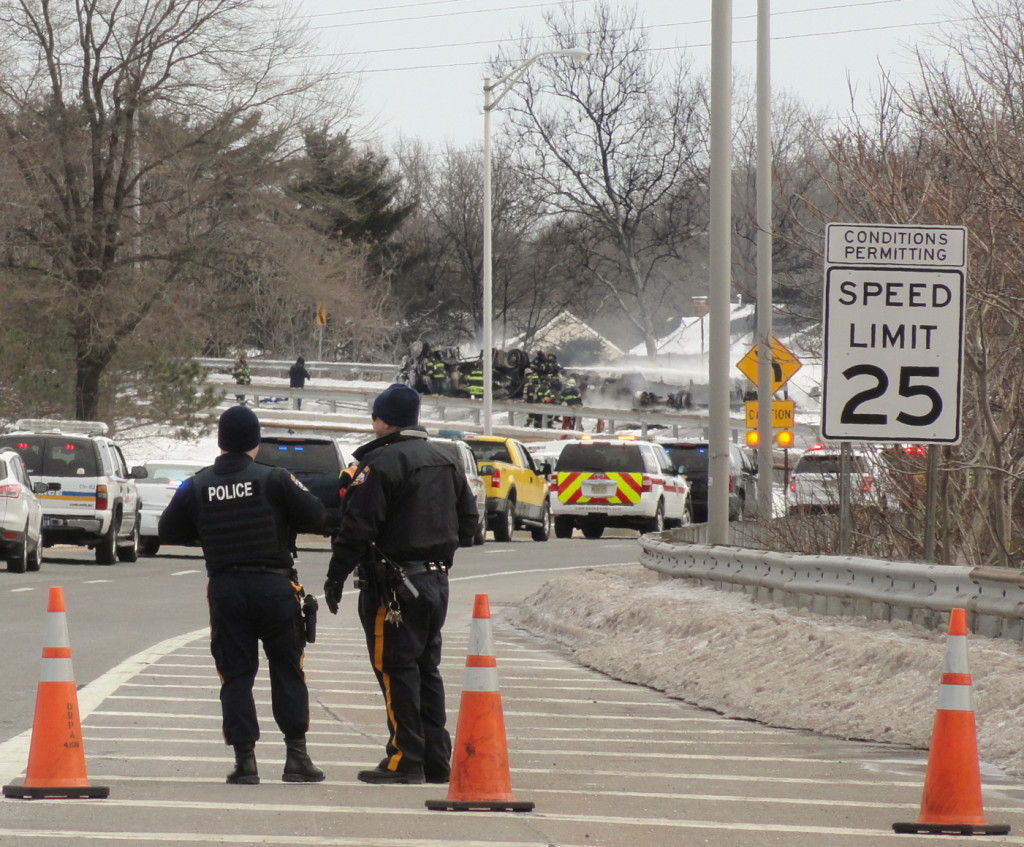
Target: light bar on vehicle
x,y
63,427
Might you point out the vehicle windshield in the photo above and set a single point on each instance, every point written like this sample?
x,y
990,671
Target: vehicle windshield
x,y
299,456
828,463
607,458
693,458
54,455
168,474
490,451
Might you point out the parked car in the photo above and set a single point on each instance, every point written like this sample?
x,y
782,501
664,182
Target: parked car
x,y
316,461
476,484
692,458
620,482
21,515
157,481
815,481
90,497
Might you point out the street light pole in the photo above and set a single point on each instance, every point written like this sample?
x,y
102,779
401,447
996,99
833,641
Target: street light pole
x,y
502,86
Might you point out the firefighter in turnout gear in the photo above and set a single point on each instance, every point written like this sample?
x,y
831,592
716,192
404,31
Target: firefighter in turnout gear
x,y
531,394
570,396
475,380
406,510
244,515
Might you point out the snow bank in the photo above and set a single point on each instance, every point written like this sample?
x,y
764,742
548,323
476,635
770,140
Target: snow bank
x,y
849,678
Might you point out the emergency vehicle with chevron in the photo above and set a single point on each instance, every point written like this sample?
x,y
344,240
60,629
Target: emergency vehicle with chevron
x,y
622,482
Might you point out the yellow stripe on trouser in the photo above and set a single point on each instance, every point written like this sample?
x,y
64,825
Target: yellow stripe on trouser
x,y
385,681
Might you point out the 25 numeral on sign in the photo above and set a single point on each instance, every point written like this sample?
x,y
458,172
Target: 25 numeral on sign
x,y
908,387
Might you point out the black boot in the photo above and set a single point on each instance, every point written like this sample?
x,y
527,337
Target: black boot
x,y
245,766
298,767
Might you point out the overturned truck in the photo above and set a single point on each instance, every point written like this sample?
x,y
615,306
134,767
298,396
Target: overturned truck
x,y
445,371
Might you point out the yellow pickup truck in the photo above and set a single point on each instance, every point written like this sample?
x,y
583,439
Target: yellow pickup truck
x,y
517,489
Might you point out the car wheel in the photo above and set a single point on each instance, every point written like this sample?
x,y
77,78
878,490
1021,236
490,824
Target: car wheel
x,y
106,550
129,552
563,526
149,545
592,530
687,514
506,524
16,560
34,560
543,532
657,523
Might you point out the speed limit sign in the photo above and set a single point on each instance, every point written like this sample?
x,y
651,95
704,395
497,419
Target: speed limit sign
x,y
893,333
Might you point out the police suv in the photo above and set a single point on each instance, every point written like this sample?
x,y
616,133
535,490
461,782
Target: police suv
x,y
90,497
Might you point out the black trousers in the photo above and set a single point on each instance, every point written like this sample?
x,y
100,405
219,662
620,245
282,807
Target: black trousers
x,y
246,609
406,661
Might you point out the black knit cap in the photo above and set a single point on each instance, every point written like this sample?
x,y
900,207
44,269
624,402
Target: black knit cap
x,y
238,430
397,405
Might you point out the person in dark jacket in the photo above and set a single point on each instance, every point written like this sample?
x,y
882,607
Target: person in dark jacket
x,y
406,510
297,376
244,515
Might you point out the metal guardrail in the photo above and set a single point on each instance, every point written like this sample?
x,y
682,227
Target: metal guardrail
x,y
849,586
676,424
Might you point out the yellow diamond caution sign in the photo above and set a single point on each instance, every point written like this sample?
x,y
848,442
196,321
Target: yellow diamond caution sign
x,y
784,365
783,414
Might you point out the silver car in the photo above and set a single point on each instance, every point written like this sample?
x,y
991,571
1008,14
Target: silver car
x,y
476,483
157,481
21,515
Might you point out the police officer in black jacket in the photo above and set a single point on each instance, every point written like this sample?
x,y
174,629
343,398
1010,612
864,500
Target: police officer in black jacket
x,y
406,510
244,515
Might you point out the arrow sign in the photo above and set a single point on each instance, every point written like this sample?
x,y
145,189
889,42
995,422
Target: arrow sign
x,y
784,365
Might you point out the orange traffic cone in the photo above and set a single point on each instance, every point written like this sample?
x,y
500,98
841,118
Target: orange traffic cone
x,y
56,758
951,802
480,776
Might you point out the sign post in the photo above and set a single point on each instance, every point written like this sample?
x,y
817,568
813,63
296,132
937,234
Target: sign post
x,y
893,333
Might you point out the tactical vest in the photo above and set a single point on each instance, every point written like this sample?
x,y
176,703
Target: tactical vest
x,y
238,524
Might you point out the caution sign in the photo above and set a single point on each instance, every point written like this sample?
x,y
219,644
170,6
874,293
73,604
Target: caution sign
x,y
783,414
784,365
893,333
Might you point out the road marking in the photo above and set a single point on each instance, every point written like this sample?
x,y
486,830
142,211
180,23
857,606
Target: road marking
x,y
186,573
19,590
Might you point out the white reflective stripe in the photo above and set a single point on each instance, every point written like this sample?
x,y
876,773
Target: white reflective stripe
x,y
955,698
480,679
56,670
956,654
57,630
480,641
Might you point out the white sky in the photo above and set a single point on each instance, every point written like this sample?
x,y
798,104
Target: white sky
x,y
424,61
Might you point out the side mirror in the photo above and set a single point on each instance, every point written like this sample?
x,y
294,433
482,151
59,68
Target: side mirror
x,y
486,470
139,472
40,487
545,468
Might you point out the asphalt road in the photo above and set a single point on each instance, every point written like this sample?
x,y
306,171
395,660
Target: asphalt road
x,y
604,762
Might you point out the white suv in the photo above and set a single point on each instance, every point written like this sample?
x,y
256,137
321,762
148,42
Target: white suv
x,y
617,482
90,496
814,484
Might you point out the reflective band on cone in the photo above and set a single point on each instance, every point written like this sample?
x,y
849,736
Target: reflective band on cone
x,y
480,775
951,801
56,757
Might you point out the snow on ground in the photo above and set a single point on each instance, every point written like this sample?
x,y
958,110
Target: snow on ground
x,y
851,678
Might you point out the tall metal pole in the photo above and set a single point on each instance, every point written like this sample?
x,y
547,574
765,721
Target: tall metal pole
x,y
488,307
720,270
763,188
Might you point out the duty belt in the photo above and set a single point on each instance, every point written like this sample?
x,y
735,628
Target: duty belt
x,y
418,567
255,569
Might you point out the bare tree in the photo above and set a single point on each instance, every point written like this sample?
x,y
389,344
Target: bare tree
x,y
947,149
619,142
137,135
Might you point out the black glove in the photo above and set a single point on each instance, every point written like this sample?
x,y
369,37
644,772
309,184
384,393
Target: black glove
x,y
332,594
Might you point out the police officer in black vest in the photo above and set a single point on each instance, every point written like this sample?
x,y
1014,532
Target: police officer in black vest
x,y
244,515
406,509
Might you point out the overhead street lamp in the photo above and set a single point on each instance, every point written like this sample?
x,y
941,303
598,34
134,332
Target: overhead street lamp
x,y
491,100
